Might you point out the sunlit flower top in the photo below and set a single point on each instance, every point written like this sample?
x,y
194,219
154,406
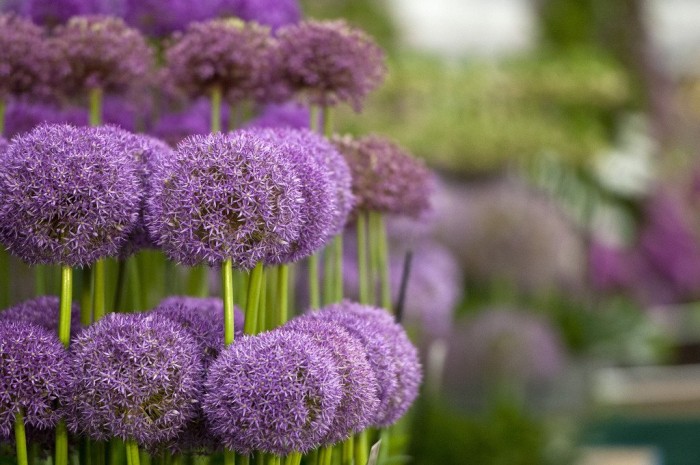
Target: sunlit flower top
x,y
275,392
100,52
229,54
138,376
26,59
34,375
67,195
225,196
328,62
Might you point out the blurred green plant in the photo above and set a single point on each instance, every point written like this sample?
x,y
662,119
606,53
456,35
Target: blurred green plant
x,y
471,118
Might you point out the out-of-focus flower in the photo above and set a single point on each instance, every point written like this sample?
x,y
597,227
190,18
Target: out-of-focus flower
x,y
328,62
26,59
385,177
67,195
51,13
100,52
504,232
34,375
137,377
225,196
23,116
42,311
195,120
287,115
276,392
273,13
359,386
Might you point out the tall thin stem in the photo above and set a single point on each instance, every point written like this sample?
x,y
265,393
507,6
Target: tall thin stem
x,y
254,286
198,282
313,118
314,291
373,269
283,293
229,457
3,109
65,305
61,451
95,106
383,257
39,280
362,258
347,450
216,109
293,459
361,448
21,439
132,453
86,297
328,276
98,290
337,250
227,292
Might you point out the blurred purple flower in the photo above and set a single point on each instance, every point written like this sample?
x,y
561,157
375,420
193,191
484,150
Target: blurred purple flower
x,y
68,195
291,115
276,392
23,116
273,13
137,377
42,311
195,120
34,375
225,196
53,12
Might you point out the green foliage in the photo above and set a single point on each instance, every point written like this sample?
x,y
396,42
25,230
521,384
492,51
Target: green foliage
x,y
478,117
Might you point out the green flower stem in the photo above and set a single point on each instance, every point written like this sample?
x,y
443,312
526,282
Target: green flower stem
x,y
293,459
177,459
95,106
314,291
240,281
134,281
373,273
61,457
271,304
229,457
200,460
347,451
227,292
244,459
84,452
313,117
383,259
272,459
283,293
198,282
98,290
328,276
145,457
361,449
216,96
3,110
34,451
120,288
362,269
385,437
337,250
325,457
254,286
39,280
65,305
21,439
98,453
86,297
132,453
5,286
327,122
117,451
262,306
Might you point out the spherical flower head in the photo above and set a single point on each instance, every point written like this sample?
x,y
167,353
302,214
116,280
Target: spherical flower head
x,y
42,311
328,62
276,392
138,377
225,196
34,375
359,400
100,52
204,319
318,208
273,13
229,54
26,60
68,195
390,353
385,178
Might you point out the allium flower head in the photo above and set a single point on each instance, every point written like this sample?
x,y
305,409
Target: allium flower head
x,y
327,62
318,191
390,353
138,376
26,60
273,13
67,195
42,311
34,375
235,56
204,319
359,385
225,196
276,392
101,52
385,177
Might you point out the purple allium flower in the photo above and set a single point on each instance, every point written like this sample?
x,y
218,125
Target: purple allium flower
x,y
275,392
159,18
204,319
26,59
42,311
225,196
34,375
67,195
318,191
385,177
24,116
359,400
4,145
100,52
503,345
273,13
327,62
138,376
390,353
195,120
287,115
235,56
53,12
